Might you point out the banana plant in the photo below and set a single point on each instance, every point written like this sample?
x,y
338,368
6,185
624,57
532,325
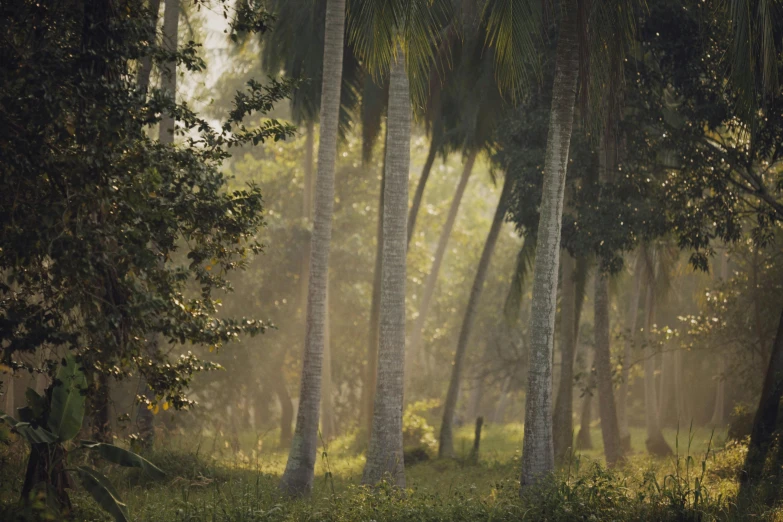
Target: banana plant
x,y
50,424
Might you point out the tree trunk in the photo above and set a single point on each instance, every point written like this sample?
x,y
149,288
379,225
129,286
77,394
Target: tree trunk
x,y
537,449
298,476
584,440
666,385
328,426
500,412
417,197
684,417
415,350
766,420
286,408
613,450
562,421
385,453
145,68
446,446
168,76
307,208
630,336
371,372
655,442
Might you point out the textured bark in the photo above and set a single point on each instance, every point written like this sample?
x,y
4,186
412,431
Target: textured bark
x,y
168,76
385,454
584,439
446,446
655,442
298,476
415,350
631,334
145,69
328,425
537,449
613,450
371,372
307,192
417,197
562,420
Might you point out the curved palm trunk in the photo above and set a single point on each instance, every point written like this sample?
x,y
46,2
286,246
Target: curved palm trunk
x,y
655,442
417,197
603,371
630,327
384,456
415,352
562,421
168,75
537,449
446,446
298,476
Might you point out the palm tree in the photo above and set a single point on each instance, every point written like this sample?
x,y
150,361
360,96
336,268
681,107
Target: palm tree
x,y
397,37
384,456
537,449
298,476
446,446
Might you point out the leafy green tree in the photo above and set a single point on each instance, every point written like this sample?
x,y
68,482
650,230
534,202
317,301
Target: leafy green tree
x,y
110,238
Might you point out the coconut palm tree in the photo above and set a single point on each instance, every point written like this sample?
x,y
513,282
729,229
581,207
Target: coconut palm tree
x,y
298,476
398,37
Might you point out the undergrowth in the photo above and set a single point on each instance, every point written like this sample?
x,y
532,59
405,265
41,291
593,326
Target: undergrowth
x,y
699,483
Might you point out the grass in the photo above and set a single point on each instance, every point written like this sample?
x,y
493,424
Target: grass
x,y
209,482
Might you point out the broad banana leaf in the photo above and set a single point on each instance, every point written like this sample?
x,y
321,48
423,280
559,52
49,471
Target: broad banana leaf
x,y
124,457
103,492
25,429
67,408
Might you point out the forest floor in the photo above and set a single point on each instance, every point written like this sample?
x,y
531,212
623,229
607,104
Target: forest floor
x,y
209,481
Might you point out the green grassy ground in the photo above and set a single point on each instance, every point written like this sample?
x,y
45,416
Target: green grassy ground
x,y
208,482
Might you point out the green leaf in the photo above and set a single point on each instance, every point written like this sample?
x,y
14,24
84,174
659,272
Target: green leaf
x,y
123,457
103,492
25,429
67,408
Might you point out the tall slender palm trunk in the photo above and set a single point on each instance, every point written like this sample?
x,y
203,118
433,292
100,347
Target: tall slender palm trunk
x,y
384,456
446,446
537,449
419,194
328,422
169,72
371,372
415,350
562,421
630,331
298,476
655,442
603,371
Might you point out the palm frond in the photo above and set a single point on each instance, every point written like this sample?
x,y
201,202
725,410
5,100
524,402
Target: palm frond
x,y
513,30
